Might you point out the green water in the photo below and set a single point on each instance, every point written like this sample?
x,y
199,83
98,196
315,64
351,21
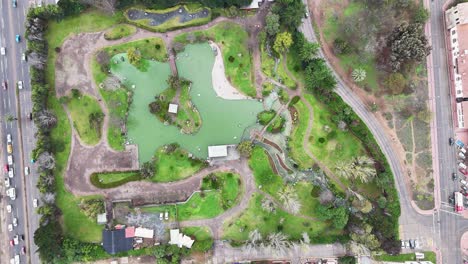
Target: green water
x,y
223,121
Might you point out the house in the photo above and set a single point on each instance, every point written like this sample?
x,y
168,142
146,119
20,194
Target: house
x,y
217,151
180,239
114,241
144,232
130,232
173,108
255,4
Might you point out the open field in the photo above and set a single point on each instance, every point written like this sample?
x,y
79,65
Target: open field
x,y
80,109
119,31
296,150
175,165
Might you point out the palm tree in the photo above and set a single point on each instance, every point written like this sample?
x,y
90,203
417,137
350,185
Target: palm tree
x,y
46,161
268,205
278,242
255,240
49,198
46,119
290,200
361,168
359,74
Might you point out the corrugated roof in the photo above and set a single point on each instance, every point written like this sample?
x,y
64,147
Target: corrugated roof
x,y
130,232
144,232
114,241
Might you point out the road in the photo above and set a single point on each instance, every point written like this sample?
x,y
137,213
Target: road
x,y
19,105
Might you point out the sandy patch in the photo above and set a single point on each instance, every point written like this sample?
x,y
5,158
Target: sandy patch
x,y
221,85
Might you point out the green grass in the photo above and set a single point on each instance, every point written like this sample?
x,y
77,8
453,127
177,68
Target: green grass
x,y
174,23
254,217
265,117
80,108
117,104
283,75
150,48
206,204
187,116
277,125
119,31
265,178
296,151
74,222
337,144
428,256
106,180
232,40
175,165
201,235
267,62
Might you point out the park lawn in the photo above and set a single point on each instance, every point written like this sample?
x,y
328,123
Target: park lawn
x,y
175,166
254,217
232,40
277,125
119,31
175,22
305,192
202,235
150,48
297,152
265,178
267,62
265,116
117,103
74,222
428,256
80,108
283,75
329,147
293,62
267,88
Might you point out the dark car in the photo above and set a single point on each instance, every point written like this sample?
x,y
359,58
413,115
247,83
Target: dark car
x,y
454,176
23,250
4,85
14,3
30,116
451,200
411,243
451,141
22,237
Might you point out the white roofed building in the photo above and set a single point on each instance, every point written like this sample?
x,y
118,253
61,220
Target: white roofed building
x,y
180,239
217,151
144,232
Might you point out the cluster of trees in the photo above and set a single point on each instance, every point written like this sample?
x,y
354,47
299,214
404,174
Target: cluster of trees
x,y
92,207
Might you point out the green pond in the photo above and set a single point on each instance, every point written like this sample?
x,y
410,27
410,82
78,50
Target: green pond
x,y
223,121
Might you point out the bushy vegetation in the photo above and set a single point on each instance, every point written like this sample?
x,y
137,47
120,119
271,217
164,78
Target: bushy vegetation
x,y
119,31
202,237
105,180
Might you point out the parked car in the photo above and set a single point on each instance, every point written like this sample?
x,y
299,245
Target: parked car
x,y
451,141
462,165
12,243
8,208
17,38
411,243
2,50
23,56
464,188
35,203
8,138
20,85
7,182
451,200
454,176
23,250
16,239
5,168
465,172
166,216
10,160
15,221
4,85
403,245
463,182
9,148
161,215
15,4
11,174
10,228
26,170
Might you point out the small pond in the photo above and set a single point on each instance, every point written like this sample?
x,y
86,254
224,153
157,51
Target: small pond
x,y
160,18
223,121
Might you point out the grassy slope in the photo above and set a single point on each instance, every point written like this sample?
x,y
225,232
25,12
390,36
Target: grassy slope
x,y
80,109
428,256
202,236
119,31
296,151
175,166
74,222
117,104
232,40
147,47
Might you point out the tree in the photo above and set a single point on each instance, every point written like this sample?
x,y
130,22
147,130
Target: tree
x,y
318,78
421,15
148,169
46,119
272,24
290,12
245,148
134,55
338,215
358,74
282,42
382,202
347,260
95,120
46,161
107,6
268,205
308,51
255,240
396,83
290,199
48,239
49,198
407,44
360,168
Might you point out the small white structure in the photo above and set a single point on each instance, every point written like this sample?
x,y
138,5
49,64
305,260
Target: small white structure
x,y
180,239
144,232
173,108
101,219
217,151
419,255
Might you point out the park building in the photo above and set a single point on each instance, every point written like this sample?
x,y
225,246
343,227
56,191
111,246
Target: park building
x,y
456,21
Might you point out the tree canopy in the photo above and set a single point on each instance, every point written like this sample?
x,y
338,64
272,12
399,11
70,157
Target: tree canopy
x,y
282,42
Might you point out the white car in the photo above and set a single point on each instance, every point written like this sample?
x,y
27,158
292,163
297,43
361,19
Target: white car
x,y
10,227
11,174
8,208
166,216
23,56
161,216
8,138
35,203
20,85
17,259
10,160
7,183
2,51
15,222
26,170
16,239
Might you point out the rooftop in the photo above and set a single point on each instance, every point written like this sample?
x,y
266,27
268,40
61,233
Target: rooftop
x,y
217,151
144,232
173,108
180,239
114,241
